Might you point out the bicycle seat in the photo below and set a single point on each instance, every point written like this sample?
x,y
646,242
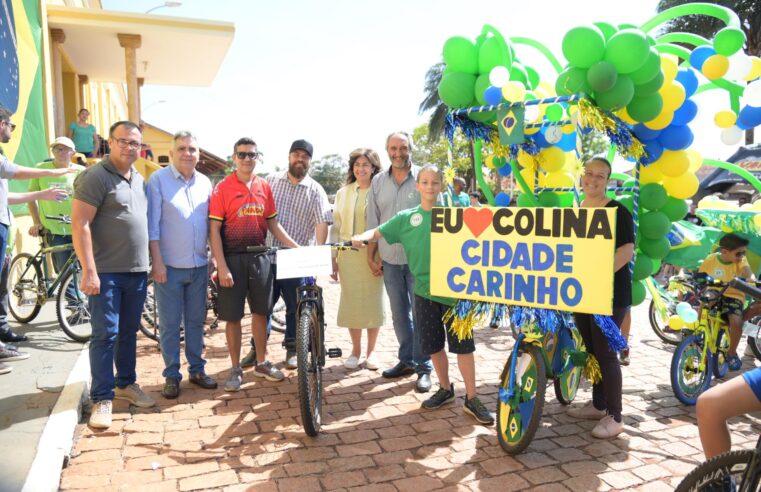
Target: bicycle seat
x,y
746,288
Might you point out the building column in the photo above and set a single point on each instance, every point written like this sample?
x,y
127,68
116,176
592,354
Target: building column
x,y
58,37
130,43
83,81
140,82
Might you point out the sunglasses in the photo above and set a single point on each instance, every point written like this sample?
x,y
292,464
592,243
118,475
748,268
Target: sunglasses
x,y
250,155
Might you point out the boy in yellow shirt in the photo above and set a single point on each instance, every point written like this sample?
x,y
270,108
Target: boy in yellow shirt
x,y
724,265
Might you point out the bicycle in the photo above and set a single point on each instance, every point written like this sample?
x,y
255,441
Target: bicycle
x,y
537,356
681,288
30,286
702,353
733,470
310,344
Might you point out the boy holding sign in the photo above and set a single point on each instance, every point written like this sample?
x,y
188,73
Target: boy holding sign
x,y
412,228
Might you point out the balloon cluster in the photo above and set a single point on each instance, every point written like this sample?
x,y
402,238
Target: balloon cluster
x,y
685,317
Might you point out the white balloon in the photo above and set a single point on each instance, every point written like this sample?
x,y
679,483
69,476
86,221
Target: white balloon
x,y
752,94
731,135
499,76
532,113
553,134
740,66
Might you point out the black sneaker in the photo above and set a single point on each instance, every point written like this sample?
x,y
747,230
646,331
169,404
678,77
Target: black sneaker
x,y
439,398
478,411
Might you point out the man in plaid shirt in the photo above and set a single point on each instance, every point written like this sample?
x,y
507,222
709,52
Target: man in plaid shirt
x,y
305,213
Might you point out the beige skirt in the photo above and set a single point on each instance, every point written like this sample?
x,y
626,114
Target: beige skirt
x,y
361,304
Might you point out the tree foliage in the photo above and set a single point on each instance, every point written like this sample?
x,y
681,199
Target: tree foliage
x,y
593,144
330,171
428,151
432,101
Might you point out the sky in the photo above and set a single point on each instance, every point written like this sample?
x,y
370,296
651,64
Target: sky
x,y
345,73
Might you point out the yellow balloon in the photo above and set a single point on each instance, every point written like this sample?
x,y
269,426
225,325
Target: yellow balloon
x,y
724,119
568,129
696,160
675,322
551,159
682,187
715,67
673,163
559,180
624,115
669,66
755,71
572,164
531,131
529,176
526,161
661,121
650,174
491,162
757,221
513,91
548,88
673,95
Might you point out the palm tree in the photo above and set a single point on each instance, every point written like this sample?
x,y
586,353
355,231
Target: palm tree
x,y
749,12
432,101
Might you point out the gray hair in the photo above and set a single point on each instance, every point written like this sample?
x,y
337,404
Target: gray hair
x,y
184,134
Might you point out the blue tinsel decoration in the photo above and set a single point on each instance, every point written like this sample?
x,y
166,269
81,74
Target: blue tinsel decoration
x,y
610,329
504,396
472,130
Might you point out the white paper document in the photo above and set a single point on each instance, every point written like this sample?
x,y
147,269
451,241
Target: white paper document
x,y
307,261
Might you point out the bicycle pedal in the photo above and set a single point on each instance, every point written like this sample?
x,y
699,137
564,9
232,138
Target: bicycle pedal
x,y
334,352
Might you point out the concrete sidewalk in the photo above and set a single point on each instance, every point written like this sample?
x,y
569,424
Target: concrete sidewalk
x,y
377,438
32,399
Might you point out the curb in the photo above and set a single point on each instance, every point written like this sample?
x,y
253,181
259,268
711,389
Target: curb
x,y
57,437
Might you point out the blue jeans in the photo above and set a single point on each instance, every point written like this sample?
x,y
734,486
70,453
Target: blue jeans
x,y
182,297
400,288
114,316
5,264
59,260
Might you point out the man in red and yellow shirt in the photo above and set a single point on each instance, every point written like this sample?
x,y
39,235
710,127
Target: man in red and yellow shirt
x,y
241,211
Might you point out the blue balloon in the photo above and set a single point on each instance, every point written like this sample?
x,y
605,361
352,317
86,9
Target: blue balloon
x,y
686,113
505,170
654,151
682,308
644,133
689,316
502,199
699,55
568,142
749,117
493,95
688,78
676,137
540,140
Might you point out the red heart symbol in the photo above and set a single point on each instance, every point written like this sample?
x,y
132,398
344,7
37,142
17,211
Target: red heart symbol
x,y
477,219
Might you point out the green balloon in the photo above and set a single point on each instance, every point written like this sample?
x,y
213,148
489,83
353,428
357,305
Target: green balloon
x,y
655,248
638,293
460,55
674,208
627,26
656,266
652,196
654,225
627,201
572,80
648,70
484,116
627,50
565,199
491,54
602,76
618,96
611,194
482,83
643,267
554,112
729,41
533,77
549,199
518,73
645,108
650,87
629,183
524,200
583,46
456,89
608,30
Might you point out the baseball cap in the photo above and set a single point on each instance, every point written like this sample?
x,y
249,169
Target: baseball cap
x,y
302,145
65,141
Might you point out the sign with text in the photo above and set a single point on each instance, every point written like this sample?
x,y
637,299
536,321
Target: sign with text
x,y
553,258
306,261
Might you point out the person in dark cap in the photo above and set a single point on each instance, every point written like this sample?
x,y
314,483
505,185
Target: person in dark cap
x,y
305,213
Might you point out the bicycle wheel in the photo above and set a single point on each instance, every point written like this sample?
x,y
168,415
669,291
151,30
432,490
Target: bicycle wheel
x,y
277,319
720,364
518,418
309,370
72,309
24,288
723,472
753,342
661,327
149,319
687,380
567,382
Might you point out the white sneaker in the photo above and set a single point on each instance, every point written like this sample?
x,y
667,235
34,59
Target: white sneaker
x,y
100,418
372,362
586,412
352,362
607,428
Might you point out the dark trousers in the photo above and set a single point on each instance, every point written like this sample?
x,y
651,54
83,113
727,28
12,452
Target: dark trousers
x,y
606,395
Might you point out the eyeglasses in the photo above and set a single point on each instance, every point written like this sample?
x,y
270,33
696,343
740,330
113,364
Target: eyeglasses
x,y
62,149
128,143
250,155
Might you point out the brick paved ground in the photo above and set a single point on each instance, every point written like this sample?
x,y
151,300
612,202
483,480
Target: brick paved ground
x,y
376,437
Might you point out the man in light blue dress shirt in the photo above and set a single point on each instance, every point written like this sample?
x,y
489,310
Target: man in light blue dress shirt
x,y
178,210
